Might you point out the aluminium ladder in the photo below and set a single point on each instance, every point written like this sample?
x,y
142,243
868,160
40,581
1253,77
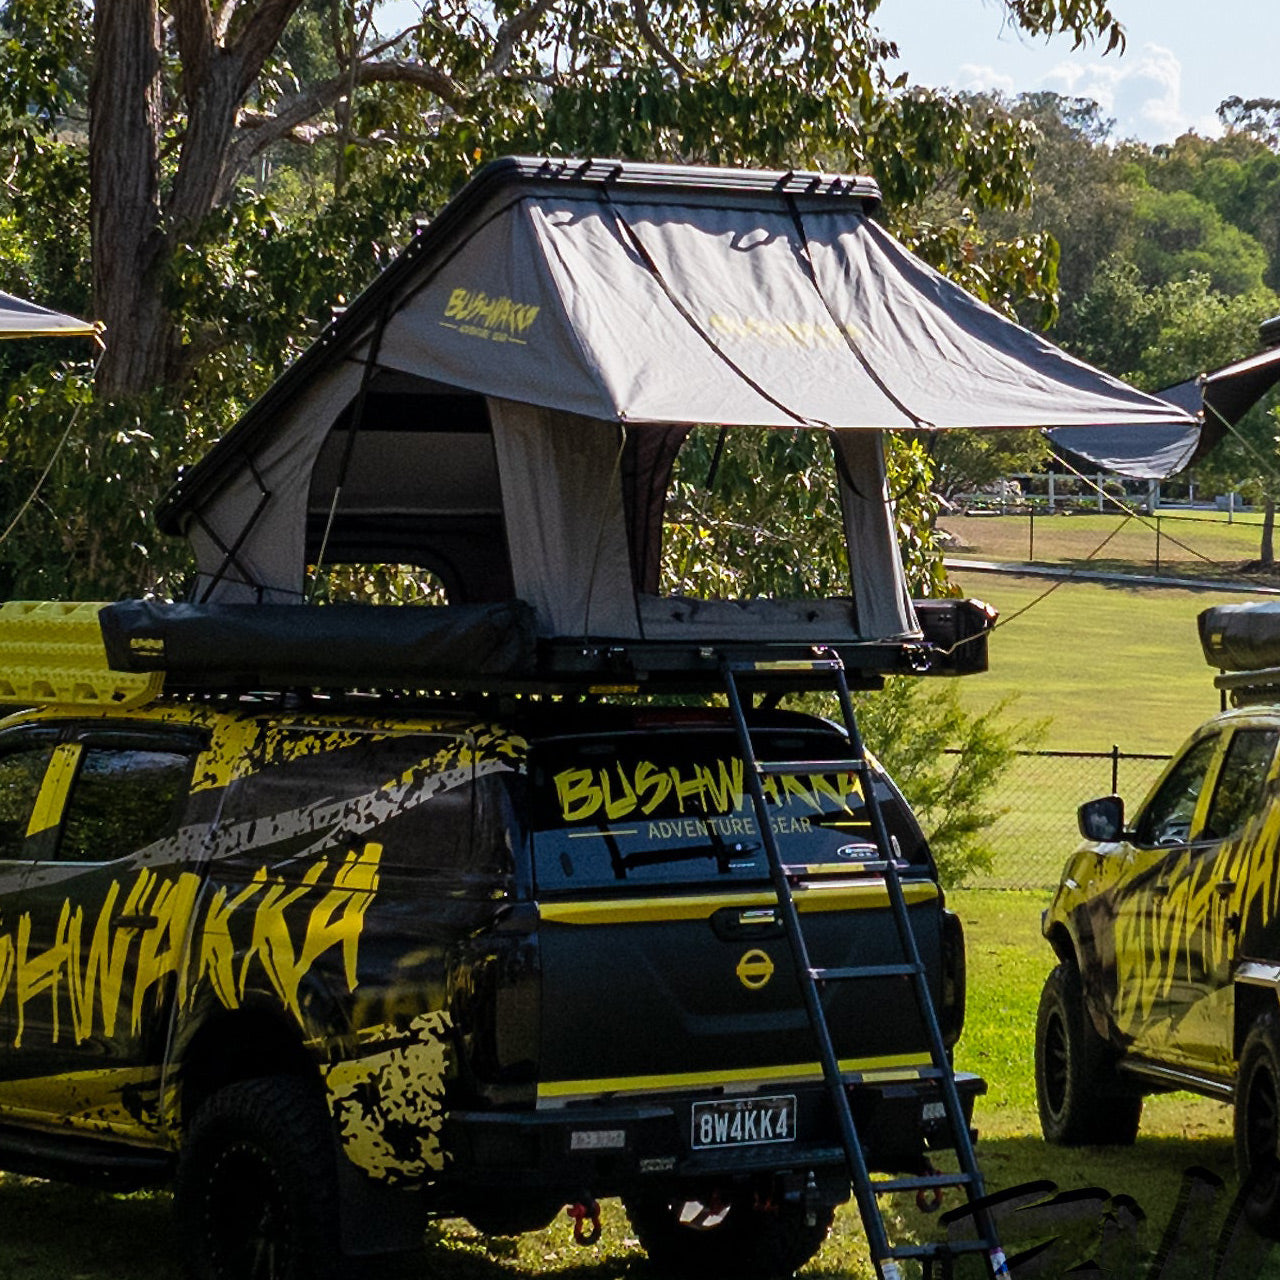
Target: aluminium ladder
x,y
828,672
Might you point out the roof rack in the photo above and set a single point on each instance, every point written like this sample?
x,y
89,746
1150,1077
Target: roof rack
x,y
129,653
1249,688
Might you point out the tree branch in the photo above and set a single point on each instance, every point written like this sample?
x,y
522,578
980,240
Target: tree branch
x,y
255,43
510,34
194,31
655,41
260,132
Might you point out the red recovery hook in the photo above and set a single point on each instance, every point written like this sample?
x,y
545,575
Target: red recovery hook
x,y
583,1211
929,1199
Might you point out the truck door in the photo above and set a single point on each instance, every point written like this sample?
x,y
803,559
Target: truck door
x,y
1156,978
106,908
25,753
1233,852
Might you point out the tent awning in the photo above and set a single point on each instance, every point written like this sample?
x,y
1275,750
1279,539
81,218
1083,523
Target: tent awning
x,y
1222,398
22,319
661,295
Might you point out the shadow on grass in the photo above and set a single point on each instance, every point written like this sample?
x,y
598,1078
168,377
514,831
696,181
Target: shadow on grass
x,y
54,1231
1162,1209
58,1232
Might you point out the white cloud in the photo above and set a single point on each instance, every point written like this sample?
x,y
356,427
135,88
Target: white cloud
x,y
973,78
1142,91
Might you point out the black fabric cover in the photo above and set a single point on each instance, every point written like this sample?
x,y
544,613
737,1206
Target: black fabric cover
x,y
246,645
1241,637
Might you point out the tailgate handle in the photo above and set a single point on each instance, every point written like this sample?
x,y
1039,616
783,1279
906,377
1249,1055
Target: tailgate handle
x,y
734,923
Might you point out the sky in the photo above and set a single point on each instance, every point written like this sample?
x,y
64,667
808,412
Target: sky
x,y
1183,58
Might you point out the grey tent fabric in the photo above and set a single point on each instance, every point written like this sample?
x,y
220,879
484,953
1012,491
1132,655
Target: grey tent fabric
x,y
1221,398
1142,453
561,490
678,312
552,301
250,546
22,319
881,600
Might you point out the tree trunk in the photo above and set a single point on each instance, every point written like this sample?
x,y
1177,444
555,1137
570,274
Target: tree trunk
x,y
1267,556
129,246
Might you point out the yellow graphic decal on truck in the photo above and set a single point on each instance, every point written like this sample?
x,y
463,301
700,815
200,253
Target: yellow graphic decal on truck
x,y
388,1104
122,1102
91,962
1180,934
715,788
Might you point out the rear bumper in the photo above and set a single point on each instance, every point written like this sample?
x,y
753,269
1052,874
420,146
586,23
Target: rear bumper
x,y
606,1148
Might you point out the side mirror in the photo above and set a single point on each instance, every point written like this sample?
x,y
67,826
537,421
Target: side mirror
x,y
1102,819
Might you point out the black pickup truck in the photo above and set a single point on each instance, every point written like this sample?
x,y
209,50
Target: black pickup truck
x,y
337,968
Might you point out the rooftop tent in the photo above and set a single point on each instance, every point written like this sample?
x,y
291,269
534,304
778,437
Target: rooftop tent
x,y
504,404
22,319
1219,400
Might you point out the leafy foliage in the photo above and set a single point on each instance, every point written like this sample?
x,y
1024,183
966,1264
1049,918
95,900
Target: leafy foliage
x,y
757,513
947,762
75,487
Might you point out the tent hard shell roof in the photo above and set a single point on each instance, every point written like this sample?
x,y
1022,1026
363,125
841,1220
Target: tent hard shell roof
x,y
22,319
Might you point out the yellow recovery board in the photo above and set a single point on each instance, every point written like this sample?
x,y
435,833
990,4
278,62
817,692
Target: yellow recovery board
x,y
51,653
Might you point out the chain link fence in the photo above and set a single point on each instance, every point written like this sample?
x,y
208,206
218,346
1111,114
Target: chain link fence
x,y
1038,798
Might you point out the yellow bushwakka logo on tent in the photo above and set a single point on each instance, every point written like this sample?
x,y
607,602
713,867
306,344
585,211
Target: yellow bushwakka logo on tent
x,y
478,315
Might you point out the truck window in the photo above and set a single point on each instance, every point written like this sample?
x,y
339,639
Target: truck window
x,y
1238,791
673,807
121,801
21,773
1167,819
413,794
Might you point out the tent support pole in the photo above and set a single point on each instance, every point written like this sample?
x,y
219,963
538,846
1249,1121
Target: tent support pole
x,y
357,418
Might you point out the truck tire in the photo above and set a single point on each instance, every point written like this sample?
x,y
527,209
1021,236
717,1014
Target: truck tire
x,y
1080,1100
1257,1124
751,1243
256,1194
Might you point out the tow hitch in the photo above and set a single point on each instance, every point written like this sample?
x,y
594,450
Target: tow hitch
x,y
584,1211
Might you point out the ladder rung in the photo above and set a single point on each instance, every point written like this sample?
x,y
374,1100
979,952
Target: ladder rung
x,y
802,768
866,971
924,1180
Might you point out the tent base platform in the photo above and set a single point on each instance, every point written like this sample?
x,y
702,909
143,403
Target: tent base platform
x,y
133,651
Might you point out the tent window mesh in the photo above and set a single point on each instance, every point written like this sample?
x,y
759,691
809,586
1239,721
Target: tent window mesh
x,y
768,526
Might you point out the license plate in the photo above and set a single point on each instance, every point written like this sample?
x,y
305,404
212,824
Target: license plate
x,y
741,1122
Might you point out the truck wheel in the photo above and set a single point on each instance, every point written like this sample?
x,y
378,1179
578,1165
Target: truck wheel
x,y
750,1243
1077,1093
1257,1125
256,1194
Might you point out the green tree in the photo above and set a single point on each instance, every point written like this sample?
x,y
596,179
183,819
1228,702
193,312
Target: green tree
x,y
245,168
1176,234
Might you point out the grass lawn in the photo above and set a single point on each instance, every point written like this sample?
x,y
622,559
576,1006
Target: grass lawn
x,y
1188,546
69,1233
1103,665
